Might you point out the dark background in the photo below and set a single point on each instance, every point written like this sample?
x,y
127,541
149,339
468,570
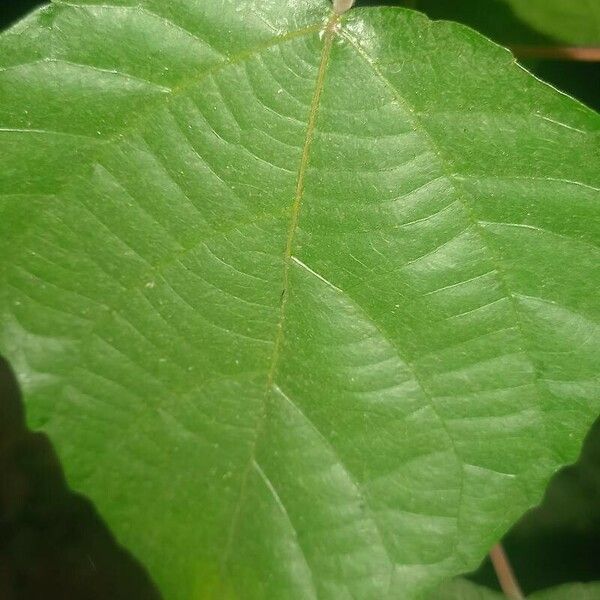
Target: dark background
x,y
12,10
53,545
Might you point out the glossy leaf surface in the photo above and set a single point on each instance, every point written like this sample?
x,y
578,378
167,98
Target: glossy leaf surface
x,y
307,302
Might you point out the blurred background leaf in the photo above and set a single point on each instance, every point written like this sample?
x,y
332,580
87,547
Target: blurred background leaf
x,y
462,589
571,21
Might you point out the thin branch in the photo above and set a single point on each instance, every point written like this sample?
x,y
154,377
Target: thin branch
x,y
575,53
506,577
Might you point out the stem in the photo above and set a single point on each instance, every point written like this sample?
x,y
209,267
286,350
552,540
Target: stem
x,y
506,577
341,6
576,53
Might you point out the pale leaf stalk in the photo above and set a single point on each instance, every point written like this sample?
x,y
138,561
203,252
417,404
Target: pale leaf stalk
x,y
506,576
341,6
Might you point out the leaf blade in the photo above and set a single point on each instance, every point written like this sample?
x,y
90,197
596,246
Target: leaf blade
x,y
162,257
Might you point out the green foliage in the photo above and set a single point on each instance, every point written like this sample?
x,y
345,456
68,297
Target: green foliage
x,y
571,21
465,590
574,22
307,303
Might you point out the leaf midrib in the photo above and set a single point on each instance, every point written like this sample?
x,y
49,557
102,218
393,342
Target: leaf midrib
x,y
328,38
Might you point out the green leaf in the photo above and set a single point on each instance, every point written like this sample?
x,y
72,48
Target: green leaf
x,y
571,21
572,591
543,22
462,589
307,302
